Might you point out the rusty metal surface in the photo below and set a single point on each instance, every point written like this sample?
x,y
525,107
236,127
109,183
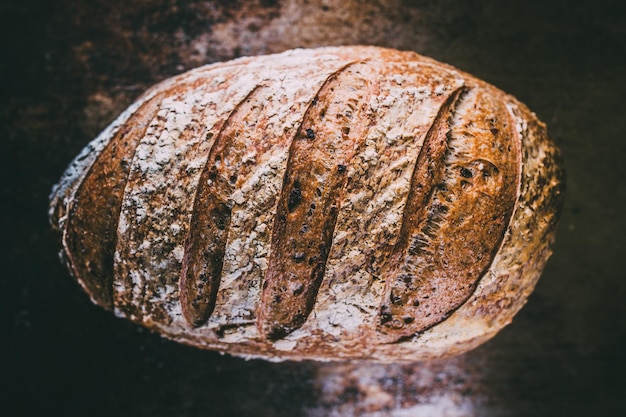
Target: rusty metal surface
x,y
68,67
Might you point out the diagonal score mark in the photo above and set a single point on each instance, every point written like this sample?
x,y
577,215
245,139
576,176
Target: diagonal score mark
x,y
461,201
312,192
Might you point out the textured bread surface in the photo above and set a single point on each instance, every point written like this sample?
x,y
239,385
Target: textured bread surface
x,y
344,202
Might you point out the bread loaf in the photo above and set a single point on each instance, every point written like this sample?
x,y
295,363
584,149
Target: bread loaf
x,y
344,202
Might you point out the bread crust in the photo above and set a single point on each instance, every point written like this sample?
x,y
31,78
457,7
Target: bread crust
x,y
333,203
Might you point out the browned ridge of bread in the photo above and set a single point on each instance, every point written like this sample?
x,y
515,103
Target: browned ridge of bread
x,y
344,202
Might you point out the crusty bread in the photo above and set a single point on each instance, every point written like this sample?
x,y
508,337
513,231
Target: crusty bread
x,y
344,202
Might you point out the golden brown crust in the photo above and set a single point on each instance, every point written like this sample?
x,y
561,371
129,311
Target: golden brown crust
x,y
351,202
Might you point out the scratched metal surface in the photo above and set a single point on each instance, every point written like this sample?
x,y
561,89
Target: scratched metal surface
x,y
68,67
